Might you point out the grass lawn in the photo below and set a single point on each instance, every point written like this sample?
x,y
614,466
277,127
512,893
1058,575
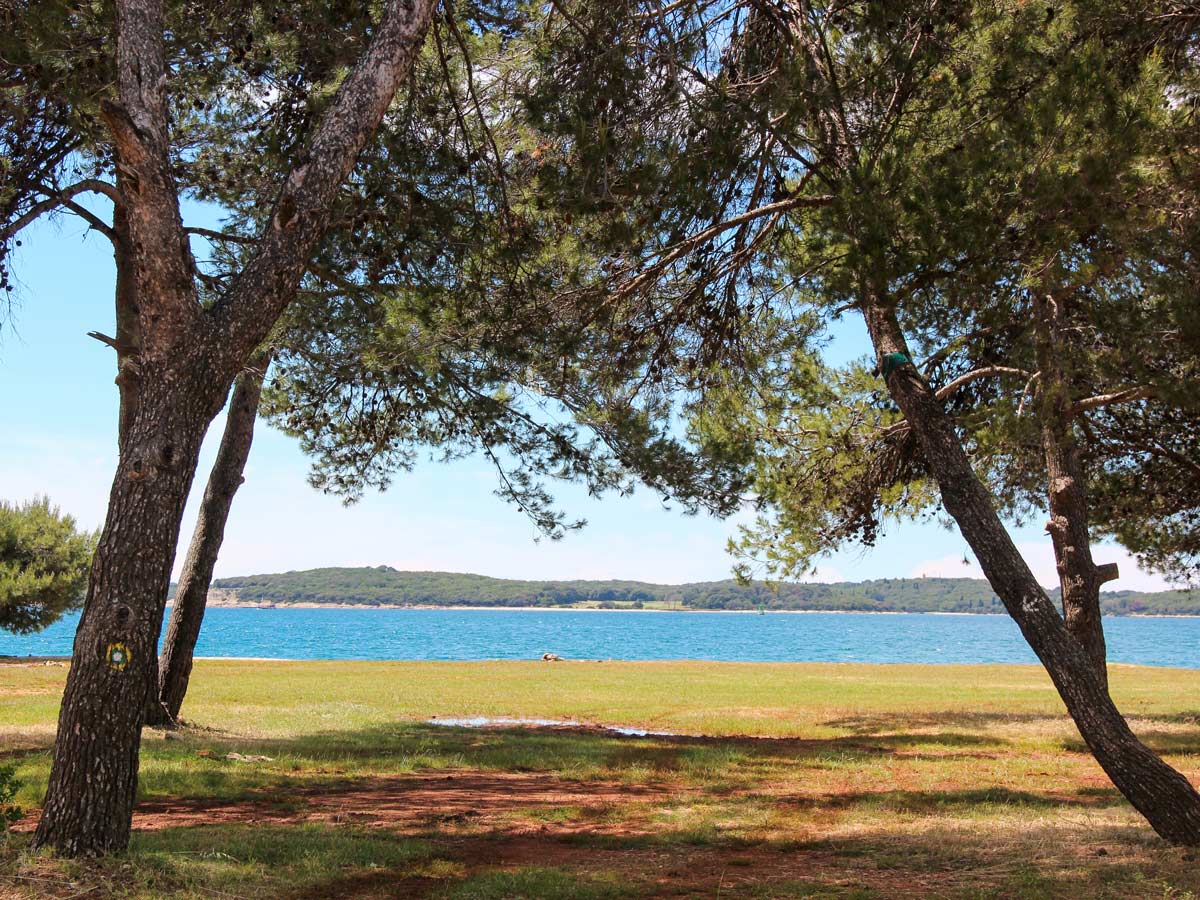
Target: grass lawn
x,y
776,781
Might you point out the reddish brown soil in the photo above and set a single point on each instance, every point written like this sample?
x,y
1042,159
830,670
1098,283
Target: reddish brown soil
x,y
481,820
485,821
675,871
406,803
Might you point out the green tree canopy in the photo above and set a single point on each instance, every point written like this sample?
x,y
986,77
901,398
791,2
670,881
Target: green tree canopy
x,y
974,159
994,189
1027,218
447,311
133,97
44,563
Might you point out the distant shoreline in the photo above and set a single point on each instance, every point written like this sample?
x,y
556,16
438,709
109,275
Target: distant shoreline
x,y
366,587
23,662
856,612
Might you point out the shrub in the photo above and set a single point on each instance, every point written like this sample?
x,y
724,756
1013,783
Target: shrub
x,y
44,562
9,812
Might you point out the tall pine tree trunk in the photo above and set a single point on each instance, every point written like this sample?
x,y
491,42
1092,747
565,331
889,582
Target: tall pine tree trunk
x,y
174,378
89,800
1078,575
1165,797
191,595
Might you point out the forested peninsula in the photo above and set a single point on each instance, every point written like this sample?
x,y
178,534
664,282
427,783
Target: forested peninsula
x,y
383,586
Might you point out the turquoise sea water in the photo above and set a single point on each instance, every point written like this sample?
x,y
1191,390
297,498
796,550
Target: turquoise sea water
x,y
527,634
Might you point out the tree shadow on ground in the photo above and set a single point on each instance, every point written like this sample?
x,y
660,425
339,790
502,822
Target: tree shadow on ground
x,y
194,763
1180,718
415,810
579,752
960,801
324,862
1147,727
582,746
949,718
1172,743
390,767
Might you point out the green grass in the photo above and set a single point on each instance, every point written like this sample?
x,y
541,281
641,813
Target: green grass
x,y
537,883
825,781
807,700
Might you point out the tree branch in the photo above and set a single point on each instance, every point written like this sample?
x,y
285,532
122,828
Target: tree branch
x,y
93,220
121,348
682,247
167,314
104,339
947,390
271,277
218,235
1129,395
63,198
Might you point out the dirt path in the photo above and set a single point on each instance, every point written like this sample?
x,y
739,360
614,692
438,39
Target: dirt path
x,y
405,803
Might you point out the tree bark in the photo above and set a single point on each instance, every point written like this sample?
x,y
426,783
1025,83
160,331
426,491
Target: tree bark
x,y
127,333
172,385
1078,576
89,800
191,594
1165,797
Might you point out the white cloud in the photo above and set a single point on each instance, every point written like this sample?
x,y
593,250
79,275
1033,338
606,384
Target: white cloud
x,y
1040,557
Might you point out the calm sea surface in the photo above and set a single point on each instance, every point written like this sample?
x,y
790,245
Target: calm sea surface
x,y
521,634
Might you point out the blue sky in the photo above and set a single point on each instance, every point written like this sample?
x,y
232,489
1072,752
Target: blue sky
x,y
59,438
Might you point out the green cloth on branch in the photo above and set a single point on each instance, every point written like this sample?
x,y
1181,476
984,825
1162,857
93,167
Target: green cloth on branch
x,y
893,361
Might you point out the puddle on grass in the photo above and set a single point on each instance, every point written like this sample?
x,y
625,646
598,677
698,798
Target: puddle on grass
x,y
509,722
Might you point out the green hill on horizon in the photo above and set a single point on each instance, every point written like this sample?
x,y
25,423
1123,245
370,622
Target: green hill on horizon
x,y
385,586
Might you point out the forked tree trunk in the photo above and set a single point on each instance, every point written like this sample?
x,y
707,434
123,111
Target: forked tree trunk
x,y
89,801
1165,797
191,595
173,383
1079,577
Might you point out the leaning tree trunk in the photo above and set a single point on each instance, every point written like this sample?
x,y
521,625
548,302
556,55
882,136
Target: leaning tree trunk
x,y
1079,577
1165,797
191,595
89,800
